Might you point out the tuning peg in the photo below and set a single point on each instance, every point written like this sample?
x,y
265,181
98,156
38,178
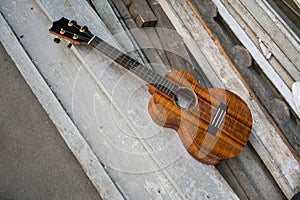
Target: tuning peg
x,y
56,40
82,29
69,45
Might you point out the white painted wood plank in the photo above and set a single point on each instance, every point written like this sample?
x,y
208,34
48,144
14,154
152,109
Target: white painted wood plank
x,y
64,78
276,155
85,87
265,37
57,114
280,36
189,41
280,23
259,58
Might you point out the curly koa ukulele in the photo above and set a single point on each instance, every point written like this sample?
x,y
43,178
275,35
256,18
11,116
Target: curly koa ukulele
x,y
214,124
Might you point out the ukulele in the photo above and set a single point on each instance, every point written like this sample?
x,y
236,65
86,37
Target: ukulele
x,y
214,124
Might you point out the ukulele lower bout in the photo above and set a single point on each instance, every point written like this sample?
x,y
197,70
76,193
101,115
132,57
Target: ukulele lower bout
x,y
214,124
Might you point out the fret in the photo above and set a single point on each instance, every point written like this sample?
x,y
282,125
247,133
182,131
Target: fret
x,y
150,77
121,58
169,85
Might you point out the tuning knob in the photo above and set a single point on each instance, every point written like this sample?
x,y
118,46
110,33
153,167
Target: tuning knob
x,y
56,40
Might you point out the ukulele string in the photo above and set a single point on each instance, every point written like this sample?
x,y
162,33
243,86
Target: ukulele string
x,y
163,84
148,75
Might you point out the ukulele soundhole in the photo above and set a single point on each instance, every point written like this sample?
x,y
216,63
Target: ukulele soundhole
x,y
185,98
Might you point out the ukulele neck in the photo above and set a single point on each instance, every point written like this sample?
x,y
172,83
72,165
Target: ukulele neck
x,y
132,65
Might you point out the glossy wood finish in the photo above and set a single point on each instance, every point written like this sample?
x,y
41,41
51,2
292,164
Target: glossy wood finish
x,y
192,124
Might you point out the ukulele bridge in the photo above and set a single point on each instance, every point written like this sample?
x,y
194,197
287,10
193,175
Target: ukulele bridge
x,y
218,119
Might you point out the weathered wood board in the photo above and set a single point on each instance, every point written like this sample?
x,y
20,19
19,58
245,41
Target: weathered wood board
x,y
130,34
282,25
268,37
142,13
109,108
280,35
264,65
57,114
275,155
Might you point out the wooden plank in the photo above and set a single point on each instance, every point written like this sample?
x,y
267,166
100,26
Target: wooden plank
x,y
266,38
122,9
117,164
161,40
253,176
115,27
60,75
281,24
170,41
279,110
57,114
259,58
141,164
192,46
282,37
129,37
276,155
297,2
114,13
142,13
144,43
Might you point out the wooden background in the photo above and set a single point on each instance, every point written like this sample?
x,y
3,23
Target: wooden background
x,y
101,110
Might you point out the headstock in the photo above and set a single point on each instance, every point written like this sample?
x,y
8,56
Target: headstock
x,y
69,30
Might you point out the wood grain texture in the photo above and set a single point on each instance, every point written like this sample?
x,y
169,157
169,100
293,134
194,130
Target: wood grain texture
x,y
273,42
192,124
142,13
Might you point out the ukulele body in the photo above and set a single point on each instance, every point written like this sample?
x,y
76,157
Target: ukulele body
x,y
215,129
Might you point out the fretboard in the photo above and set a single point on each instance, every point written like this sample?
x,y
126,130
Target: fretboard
x,y
146,74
